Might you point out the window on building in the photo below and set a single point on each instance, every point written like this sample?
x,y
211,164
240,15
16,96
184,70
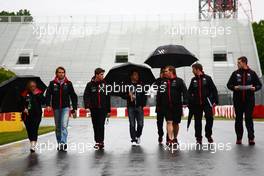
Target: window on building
x,y
220,57
23,60
121,57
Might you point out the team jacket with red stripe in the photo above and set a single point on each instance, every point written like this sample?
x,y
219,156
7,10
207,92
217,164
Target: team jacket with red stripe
x,y
95,96
244,77
59,95
173,93
202,91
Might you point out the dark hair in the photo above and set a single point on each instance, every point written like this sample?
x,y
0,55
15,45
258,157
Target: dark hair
x,y
28,84
197,66
171,69
60,68
134,71
162,70
97,71
243,59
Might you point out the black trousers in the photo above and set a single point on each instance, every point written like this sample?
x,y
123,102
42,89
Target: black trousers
x,y
98,120
241,109
198,115
160,120
32,125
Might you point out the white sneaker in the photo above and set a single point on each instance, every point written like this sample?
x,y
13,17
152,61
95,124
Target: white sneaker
x,y
134,143
32,148
138,140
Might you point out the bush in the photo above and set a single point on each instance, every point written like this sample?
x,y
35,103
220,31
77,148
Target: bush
x,y
5,74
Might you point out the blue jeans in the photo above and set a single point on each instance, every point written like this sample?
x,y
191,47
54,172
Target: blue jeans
x,y
61,121
136,122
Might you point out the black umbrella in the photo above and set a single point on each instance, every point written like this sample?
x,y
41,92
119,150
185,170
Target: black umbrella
x,y
121,73
175,55
10,91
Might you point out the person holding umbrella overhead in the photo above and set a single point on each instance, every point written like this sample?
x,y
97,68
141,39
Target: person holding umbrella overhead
x,y
59,94
31,100
203,96
134,80
98,101
136,100
172,100
244,82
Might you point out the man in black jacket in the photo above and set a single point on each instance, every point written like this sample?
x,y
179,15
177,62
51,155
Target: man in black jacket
x,y
172,99
136,100
203,96
97,100
160,113
59,94
244,82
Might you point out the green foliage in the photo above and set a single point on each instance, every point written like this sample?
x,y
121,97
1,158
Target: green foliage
x,y
258,29
5,74
21,12
6,16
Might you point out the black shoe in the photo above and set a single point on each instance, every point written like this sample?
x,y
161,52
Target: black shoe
x,y
169,143
96,146
32,150
101,146
175,141
239,142
160,139
251,142
199,141
210,140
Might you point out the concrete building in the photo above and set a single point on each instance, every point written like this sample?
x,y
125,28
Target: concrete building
x,y
81,44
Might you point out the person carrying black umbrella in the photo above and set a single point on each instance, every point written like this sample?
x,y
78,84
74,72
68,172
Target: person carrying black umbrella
x,y
60,95
203,96
136,100
244,82
172,100
31,100
98,101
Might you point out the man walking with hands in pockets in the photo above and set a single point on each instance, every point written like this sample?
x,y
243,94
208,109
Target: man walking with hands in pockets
x,y
59,94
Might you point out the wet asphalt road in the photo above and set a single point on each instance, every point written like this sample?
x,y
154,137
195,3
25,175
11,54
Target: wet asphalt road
x,y
120,158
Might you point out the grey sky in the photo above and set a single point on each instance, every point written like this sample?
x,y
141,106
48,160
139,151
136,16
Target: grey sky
x,y
82,7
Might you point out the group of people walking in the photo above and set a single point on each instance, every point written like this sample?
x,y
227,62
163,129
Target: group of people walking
x,y
172,95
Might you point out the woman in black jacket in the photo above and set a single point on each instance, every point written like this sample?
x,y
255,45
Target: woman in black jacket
x,y
32,99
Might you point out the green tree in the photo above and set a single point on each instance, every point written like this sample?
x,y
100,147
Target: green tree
x,y
5,74
21,12
16,16
258,28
